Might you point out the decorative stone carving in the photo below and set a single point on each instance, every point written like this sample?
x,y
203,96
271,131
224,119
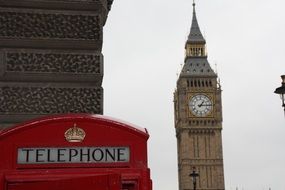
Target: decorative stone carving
x,y
43,62
50,57
49,25
50,100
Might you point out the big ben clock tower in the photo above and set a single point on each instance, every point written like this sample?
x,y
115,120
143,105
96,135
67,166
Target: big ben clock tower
x,y
198,117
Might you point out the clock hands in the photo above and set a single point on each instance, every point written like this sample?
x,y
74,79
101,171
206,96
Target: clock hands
x,y
201,104
206,105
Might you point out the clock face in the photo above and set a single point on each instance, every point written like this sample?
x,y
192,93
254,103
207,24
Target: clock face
x,y
200,105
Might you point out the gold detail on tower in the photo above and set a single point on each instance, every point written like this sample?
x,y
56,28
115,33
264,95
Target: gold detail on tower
x,y
195,50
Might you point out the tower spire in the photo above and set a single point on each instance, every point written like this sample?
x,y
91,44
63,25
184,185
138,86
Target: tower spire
x,y
195,52
195,34
196,44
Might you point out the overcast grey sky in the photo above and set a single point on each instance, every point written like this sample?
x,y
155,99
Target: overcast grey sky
x,y
144,49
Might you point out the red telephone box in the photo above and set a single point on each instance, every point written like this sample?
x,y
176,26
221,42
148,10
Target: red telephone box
x,y
73,152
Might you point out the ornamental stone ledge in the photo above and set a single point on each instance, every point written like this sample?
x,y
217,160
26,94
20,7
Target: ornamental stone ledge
x,y
51,65
103,6
202,162
50,99
49,24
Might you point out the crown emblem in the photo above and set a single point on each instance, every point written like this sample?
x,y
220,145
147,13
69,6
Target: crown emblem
x,y
74,134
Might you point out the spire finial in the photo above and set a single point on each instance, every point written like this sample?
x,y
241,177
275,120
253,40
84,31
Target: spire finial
x,y
195,33
194,4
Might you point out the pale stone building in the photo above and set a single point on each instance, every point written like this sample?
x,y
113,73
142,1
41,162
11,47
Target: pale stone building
x,y
198,117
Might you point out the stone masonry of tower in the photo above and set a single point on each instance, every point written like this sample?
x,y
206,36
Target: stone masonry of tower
x,y
198,117
50,57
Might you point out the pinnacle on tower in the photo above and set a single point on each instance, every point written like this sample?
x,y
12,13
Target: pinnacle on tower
x,y
195,35
195,62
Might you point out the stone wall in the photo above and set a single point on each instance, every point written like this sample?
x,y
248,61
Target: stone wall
x,y
50,57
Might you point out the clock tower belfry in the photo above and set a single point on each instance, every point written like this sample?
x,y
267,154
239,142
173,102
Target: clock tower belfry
x,y
198,117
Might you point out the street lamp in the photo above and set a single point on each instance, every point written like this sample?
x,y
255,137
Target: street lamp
x,y
194,175
281,91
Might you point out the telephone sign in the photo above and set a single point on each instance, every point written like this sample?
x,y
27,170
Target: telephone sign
x,y
74,151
